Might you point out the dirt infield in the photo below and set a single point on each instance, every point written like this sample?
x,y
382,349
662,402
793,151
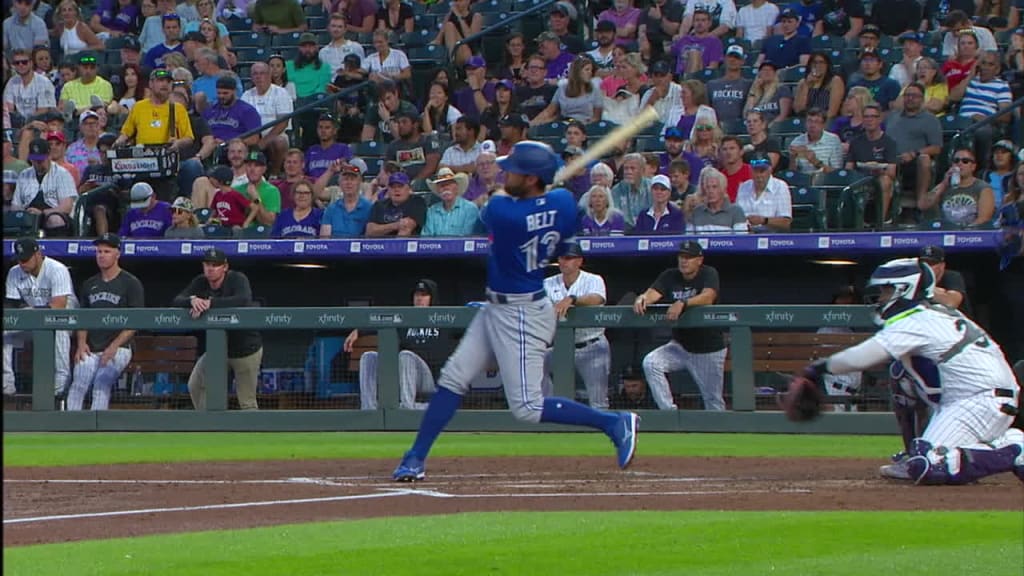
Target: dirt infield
x,y
78,503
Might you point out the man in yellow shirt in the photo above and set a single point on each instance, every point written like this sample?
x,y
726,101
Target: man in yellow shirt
x,y
148,124
89,89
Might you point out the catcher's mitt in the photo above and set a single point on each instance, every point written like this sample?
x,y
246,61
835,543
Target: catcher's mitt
x,y
802,402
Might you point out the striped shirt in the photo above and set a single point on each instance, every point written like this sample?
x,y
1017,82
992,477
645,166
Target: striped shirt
x,y
757,22
985,98
462,220
39,93
586,283
456,156
828,150
729,218
57,185
53,281
774,202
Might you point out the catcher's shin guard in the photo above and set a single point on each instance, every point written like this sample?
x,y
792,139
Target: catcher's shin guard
x,y
968,464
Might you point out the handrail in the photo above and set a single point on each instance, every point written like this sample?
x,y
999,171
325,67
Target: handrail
x,y
504,23
319,102
955,140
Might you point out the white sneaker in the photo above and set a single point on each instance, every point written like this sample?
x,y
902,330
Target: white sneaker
x,y
895,471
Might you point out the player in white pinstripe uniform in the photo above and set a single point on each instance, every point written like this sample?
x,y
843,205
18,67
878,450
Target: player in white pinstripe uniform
x,y
575,287
38,282
103,354
702,351
955,367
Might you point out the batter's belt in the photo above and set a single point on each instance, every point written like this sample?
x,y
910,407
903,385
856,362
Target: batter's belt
x,y
500,298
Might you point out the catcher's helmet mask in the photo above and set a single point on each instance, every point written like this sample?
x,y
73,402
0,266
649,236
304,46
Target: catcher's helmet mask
x,y
910,282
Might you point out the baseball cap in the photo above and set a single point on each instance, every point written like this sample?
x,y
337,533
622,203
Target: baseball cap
x,y
25,248
350,170
38,150
691,248
55,135
308,38
548,37
326,117
215,256
475,62
760,160
140,195
400,178
788,13
221,174
108,239
1005,145
932,254
623,92
505,83
256,157
911,37
1019,31
767,62
735,50
131,42
871,29
674,133
409,114
565,9
572,151
605,26
661,180
488,147
86,115
572,250
10,177
107,139
660,67
182,203
160,74
50,116
86,58
194,37
226,82
352,60
425,285
171,16
520,120
869,53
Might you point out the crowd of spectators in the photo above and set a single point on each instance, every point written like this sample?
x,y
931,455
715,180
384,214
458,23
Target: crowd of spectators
x,y
749,98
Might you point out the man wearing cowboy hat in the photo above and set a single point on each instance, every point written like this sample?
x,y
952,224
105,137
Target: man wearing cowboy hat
x,y
453,215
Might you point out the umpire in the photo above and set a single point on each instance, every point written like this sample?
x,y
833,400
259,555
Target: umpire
x,y
219,287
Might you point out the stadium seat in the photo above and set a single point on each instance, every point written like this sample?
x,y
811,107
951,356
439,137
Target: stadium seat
x,y
238,25
792,75
599,129
440,8
373,166
218,231
524,5
256,232
420,187
743,42
548,129
290,39
794,179
734,126
649,144
808,209
493,18
827,42
313,10
891,55
249,40
705,75
951,124
20,223
429,55
419,37
114,43
426,22
791,126
249,54
111,57
488,6
369,149
202,215
316,23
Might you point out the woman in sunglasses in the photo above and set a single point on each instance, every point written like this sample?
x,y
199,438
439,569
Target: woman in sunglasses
x,y
184,223
705,140
963,199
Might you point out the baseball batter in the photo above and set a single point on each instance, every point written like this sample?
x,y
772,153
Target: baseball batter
x,y
528,227
103,354
576,287
702,351
38,282
955,367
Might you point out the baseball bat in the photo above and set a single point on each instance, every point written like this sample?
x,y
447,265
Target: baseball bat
x,y
645,118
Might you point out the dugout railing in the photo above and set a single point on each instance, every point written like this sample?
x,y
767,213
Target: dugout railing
x,y
738,321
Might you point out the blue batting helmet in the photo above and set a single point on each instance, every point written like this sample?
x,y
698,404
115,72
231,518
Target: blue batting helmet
x,y
532,158
912,281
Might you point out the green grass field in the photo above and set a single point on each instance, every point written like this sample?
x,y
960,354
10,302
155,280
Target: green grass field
x,y
559,543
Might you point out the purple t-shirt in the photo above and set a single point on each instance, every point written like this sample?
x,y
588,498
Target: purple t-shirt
x,y
670,223
613,225
152,224
477,188
359,10
631,16
120,18
232,121
318,160
695,162
286,226
466,103
709,46
559,67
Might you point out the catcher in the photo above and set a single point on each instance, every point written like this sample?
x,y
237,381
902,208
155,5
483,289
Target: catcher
x,y
958,370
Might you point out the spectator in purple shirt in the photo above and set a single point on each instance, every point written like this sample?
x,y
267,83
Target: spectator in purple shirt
x,y
320,156
601,218
550,49
700,49
116,18
663,217
147,216
674,150
301,221
626,19
478,93
230,117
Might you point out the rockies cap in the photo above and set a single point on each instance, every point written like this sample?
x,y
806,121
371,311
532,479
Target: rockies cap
x,y
399,178
108,239
910,37
605,26
215,256
674,133
131,42
257,157
308,38
226,82
38,150
518,120
660,67
352,60
735,50
140,195
691,248
932,254
86,115
222,174
1005,145
424,285
788,13
661,180
107,139
505,83
25,248
475,62
573,250
871,29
